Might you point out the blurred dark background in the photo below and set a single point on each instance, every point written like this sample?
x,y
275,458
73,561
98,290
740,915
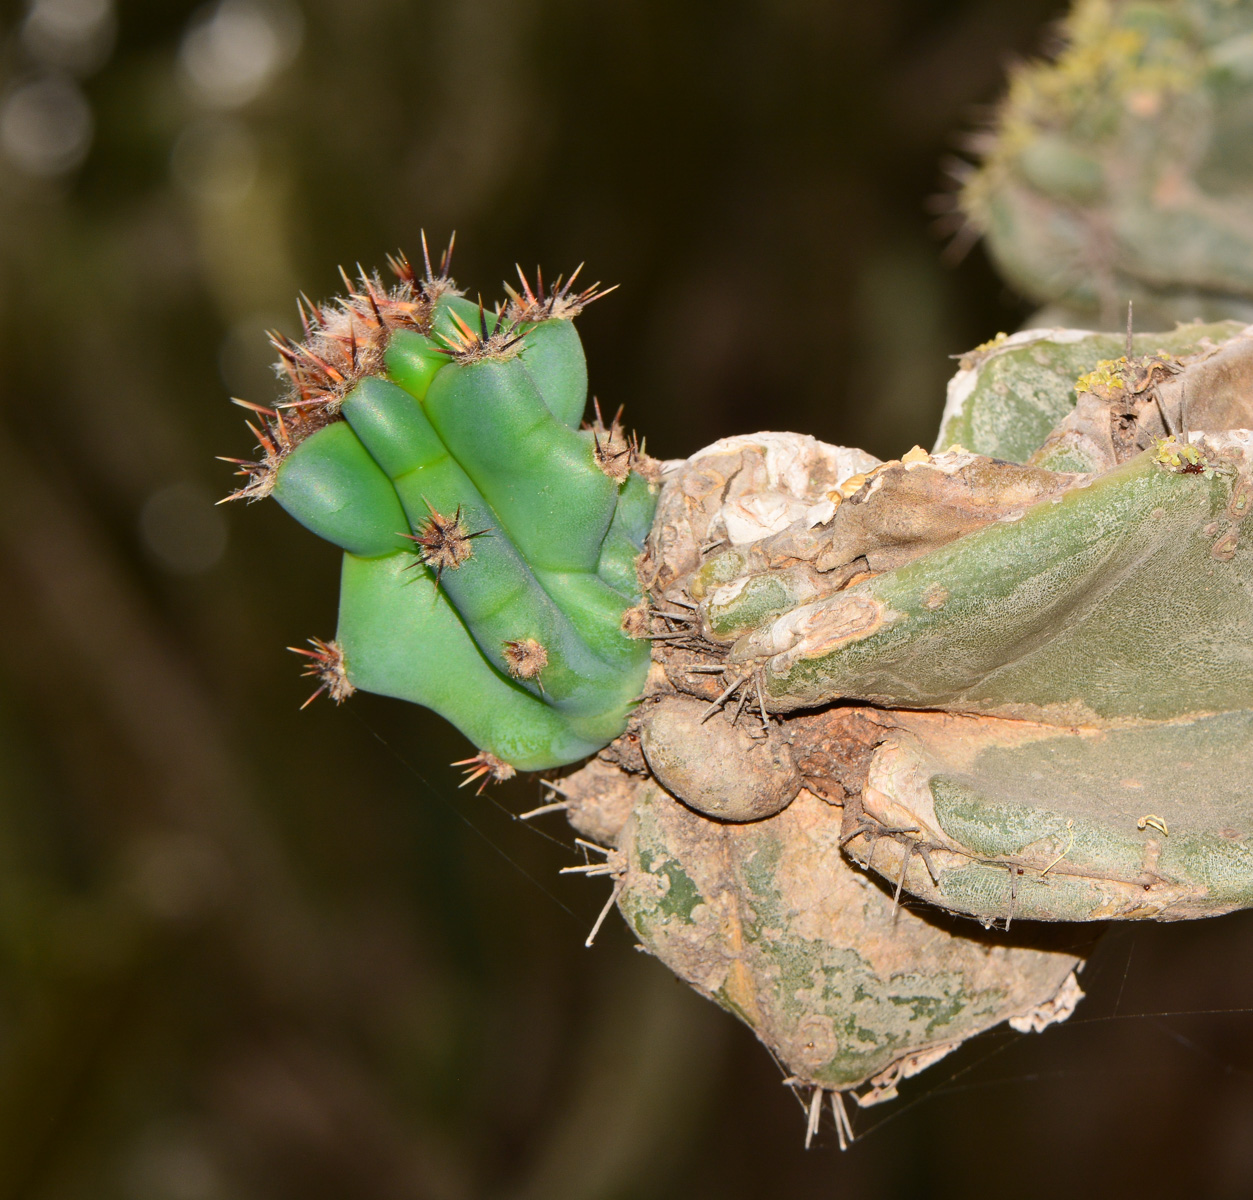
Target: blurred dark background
x,y
253,953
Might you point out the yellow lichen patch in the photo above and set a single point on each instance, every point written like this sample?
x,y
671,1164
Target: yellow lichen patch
x,y
991,343
1179,456
1105,377
917,454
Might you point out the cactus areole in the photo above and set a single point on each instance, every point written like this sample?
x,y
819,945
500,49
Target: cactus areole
x,y
489,536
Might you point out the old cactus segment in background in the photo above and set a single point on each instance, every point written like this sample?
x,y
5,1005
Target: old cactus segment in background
x,y
1124,168
489,540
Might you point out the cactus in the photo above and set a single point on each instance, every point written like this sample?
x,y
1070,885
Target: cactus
x,y
489,541
722,826
1009,689
1123,168
1009,677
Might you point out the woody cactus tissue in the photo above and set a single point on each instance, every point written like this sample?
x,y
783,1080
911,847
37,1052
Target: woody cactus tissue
x,y
1011,679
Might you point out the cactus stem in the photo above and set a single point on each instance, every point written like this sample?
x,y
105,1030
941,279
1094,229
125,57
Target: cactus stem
x,y
326,664
525,659
444,543
485,766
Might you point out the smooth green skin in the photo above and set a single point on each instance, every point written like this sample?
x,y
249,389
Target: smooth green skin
x,y
632,520
1020,392
554,561
553,357
1108,604
331,485
495,591
402,637
412,361
535,472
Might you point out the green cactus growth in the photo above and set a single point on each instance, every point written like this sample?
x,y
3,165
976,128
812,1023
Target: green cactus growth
x,y
489,540
1124,168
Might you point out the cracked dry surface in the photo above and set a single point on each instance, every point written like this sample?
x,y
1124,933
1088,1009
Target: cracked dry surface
x,y
769,920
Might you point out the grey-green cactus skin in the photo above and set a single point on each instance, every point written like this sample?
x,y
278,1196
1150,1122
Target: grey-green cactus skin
x,y
1081,612
1145,821
1123,168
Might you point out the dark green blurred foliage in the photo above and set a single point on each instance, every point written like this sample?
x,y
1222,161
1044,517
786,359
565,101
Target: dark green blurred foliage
x,y
251,952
